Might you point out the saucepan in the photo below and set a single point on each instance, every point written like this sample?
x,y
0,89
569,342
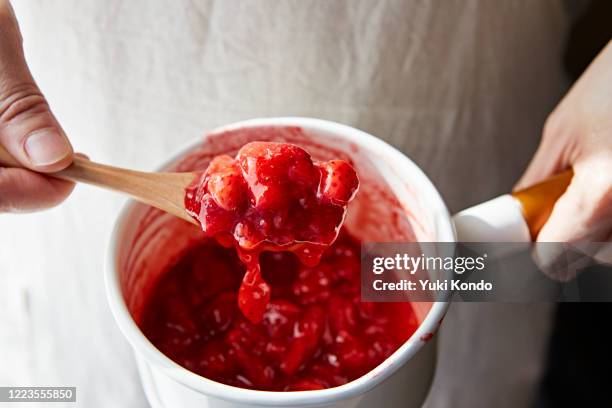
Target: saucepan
x,y
396,203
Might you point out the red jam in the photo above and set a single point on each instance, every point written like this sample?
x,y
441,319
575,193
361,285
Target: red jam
x,y
315,332
270,299
271,197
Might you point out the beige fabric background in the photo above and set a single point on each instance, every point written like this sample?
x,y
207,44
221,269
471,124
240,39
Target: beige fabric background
x,y
462,87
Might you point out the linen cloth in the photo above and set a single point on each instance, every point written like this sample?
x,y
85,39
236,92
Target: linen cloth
x,y
462,87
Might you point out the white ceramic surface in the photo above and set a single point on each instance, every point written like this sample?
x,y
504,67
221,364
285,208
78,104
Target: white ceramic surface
x,y
497,220
402,380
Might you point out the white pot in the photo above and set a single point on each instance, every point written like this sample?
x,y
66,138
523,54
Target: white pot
x,y
403,380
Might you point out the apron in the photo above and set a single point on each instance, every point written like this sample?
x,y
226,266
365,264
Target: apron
x,y
461,87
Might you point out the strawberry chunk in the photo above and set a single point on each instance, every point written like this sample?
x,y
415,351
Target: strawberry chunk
x,y
307,333
228,189
339,182
276,173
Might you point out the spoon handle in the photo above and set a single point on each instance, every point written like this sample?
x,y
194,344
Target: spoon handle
x,y
165,191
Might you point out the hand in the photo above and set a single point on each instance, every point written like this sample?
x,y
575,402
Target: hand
x,y
28,130
578,134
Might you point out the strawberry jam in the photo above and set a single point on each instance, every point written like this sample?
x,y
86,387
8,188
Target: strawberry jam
x,y
271,197
315,332
270,298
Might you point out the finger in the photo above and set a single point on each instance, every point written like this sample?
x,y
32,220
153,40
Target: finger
x,y
550,157
28,129
543,165
22,190
580,216
584,211
560,261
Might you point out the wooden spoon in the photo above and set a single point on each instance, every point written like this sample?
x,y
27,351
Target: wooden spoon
x,y
165,191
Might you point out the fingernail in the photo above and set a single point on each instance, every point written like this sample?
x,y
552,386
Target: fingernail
x,y
46,147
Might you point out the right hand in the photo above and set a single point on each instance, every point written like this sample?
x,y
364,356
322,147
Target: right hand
x,y
28,130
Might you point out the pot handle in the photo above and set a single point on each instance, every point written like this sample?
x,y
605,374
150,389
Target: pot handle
x,y
515,217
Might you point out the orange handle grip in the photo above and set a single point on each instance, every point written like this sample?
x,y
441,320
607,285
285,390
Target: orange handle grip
x,y
537,201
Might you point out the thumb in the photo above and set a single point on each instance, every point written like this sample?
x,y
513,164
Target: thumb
x,y
28,129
